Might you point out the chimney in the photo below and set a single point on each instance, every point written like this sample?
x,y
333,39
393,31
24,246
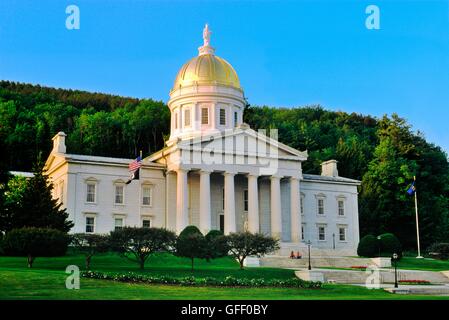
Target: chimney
x,y
59,143
329,168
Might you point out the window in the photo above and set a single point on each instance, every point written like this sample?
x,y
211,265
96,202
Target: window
x,y
146,195
187,117
204,116
222,223
302,232
342,233
146,223
236,117
301,204
320,206
90,224
90,195
341,208
118,223
321,233
176,120
222,117
119,194
245,200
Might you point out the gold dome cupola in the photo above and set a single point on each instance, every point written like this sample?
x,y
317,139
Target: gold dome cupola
x,y
206,68
206,96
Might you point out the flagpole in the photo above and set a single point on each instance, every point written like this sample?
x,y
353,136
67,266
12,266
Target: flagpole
x,y
140,195
417,221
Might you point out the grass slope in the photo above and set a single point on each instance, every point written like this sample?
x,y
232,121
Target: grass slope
x,y
47,281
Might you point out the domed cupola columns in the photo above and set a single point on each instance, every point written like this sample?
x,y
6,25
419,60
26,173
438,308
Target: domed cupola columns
x,y
206,97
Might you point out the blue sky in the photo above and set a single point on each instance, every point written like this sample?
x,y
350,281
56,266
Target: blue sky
x,y
287,53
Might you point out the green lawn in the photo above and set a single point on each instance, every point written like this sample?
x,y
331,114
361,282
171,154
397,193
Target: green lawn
x,y
159,264
47,281
428,264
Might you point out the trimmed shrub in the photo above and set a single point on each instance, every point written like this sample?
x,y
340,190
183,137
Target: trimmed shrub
x,y
217,245
390,244
439,250
368,246
35,242
191,244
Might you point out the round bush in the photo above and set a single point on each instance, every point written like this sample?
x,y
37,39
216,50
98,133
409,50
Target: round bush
x,y
390,244
190,230
368,246
439,250
36,242
217,245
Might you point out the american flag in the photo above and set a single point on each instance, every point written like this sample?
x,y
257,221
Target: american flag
x,y
136,164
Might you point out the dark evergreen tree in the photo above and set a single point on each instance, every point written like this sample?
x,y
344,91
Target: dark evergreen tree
x,y
37,208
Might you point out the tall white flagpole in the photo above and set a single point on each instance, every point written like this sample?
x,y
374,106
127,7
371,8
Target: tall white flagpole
x,y
417,220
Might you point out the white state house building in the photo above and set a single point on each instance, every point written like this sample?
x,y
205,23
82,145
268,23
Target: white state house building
x,y
215,173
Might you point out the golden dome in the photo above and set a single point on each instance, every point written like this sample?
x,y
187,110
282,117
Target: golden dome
x,y
207,69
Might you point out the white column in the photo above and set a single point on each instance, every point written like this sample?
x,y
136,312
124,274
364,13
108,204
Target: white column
x,y
276,217
182,211
253,204
205,213
229,209
295,210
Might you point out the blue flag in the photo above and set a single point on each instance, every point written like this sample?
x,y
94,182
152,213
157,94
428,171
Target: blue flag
x,y
412,189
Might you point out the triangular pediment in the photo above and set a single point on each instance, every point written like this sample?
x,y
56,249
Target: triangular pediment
x,y
53,160
242,142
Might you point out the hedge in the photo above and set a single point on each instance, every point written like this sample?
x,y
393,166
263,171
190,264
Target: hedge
x,y
229,281
368,247
38,242
389,245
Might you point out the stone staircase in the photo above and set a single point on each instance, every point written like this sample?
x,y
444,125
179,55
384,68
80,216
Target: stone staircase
x,y
385,276
322,261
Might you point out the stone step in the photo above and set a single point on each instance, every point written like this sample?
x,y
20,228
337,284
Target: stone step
x,y
385,276
337,262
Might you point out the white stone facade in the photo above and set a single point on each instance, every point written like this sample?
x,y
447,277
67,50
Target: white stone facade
x,y
215,173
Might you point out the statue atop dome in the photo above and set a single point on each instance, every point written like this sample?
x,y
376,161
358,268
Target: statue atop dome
x,y
206,35
206,48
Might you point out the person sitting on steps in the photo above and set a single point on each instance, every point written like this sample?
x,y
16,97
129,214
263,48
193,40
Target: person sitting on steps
x,y
292,255
298,255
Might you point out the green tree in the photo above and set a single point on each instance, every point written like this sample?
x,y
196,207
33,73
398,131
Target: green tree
x,y
384,203
191,244
29,203
137,244
35,242
90,245
13,192
216,245
244,244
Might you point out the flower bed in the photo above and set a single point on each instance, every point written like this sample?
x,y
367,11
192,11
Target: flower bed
x,y
363,268
414,282
229,281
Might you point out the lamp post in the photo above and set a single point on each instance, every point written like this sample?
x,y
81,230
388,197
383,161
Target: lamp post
x,y
378,243
395,259
309,243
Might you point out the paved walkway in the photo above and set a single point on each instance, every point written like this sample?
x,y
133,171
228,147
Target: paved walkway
x,y
435,290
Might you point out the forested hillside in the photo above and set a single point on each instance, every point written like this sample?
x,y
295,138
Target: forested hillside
x,y
384,153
